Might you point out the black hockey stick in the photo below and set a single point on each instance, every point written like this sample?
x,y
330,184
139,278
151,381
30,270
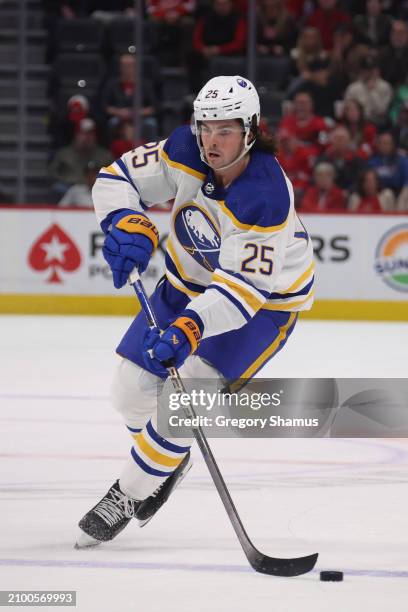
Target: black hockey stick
x,y
258,561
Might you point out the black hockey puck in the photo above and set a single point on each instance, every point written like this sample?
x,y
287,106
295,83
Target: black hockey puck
x,y
331,576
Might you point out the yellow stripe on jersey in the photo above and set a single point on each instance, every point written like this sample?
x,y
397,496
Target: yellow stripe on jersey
x,y
287,305
170,277
154,455
300,280
246,226
268,352
187,169
245,294
172,252
110,169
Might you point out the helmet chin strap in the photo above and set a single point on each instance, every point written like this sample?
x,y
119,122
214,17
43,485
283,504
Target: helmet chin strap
x,y
246,148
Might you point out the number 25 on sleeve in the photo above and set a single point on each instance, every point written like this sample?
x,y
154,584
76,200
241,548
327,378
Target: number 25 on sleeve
x,y
259,259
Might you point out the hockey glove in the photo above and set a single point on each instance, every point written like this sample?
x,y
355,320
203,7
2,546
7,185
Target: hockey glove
x,y
176,343
129,244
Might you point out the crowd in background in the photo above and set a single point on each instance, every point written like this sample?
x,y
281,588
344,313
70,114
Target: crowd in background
x,y
342,136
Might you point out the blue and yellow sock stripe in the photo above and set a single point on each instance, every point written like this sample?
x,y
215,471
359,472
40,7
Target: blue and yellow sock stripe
x,y
156,455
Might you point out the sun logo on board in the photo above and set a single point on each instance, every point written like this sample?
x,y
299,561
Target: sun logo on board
x,y
391,258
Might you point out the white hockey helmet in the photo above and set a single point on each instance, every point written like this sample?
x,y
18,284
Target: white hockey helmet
x,y
228,97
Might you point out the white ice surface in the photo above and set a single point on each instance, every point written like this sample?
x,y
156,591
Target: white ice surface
x,y
62,446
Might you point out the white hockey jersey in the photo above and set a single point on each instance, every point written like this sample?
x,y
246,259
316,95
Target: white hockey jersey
x,y
232,251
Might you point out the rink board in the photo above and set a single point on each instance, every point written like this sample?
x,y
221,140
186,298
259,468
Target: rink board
x,y
51,262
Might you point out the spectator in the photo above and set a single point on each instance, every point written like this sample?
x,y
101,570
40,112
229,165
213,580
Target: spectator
x,y
373,27
174,29
64,127
391,167
362,132
369,197
394,58
326,18
310,129
70,162
299,9
118,95
124,141
222,31
276,30
80,195
169,11
320,84
308,49
296,162
344,55
373,93
324,195
341,155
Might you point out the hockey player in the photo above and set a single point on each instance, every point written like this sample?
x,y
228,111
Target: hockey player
x,y
239,267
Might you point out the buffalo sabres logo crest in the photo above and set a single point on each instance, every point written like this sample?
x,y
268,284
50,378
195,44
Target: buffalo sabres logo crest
x,y
198,235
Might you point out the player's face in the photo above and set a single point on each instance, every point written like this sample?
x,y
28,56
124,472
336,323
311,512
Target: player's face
x,y
222,142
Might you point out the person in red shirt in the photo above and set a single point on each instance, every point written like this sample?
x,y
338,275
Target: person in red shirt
x,y
311,130
169,10
369,197
363,133
326,18
324,195
296,160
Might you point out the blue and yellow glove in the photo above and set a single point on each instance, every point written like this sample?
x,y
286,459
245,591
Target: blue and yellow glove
x,y
175,344
129,244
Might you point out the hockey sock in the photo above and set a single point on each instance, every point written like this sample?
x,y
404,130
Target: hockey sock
x,y
152,460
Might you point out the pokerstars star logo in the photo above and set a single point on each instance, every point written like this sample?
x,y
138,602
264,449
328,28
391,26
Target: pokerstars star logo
x,y
54,250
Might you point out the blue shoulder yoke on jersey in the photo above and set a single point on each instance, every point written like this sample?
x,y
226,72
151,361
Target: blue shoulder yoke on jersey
x,y
181,151
259,198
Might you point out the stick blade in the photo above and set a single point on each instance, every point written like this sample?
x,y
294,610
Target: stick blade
x,y
281,567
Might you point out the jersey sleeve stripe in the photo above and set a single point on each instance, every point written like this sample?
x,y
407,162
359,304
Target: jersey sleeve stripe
x,y
247,226
180,287
245,282
232,299
301,278
110,169
288,305
304,291
125,171
272,349
171,251
182,167
303,235
112,176
170,266
244,293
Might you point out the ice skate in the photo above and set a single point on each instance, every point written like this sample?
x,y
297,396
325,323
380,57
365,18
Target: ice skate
x,y
148,507
105,520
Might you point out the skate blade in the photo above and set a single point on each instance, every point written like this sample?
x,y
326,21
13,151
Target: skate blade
x,y
85,541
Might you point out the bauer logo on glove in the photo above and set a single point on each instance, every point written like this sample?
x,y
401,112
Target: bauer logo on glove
x,y
176,343
129,244
139,224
